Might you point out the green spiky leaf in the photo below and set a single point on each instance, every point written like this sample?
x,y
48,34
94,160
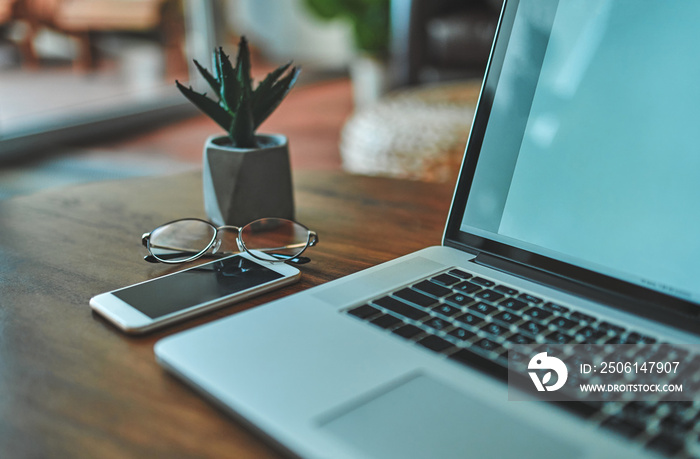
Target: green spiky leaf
x,y
242,131
208,106
243,66
216,71
266,102
230,91
211,79
215,64
266,84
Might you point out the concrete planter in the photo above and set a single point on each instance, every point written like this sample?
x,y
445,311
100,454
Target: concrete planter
x,y
242,185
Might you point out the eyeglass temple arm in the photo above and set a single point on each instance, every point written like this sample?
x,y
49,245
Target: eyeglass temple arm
x,y
313,238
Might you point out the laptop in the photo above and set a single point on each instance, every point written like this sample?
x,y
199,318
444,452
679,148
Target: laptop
x,y
574,220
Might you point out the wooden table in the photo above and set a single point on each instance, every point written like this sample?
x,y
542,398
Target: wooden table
x,y
71,385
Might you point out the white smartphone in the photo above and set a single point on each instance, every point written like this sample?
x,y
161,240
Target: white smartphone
x,y
174,297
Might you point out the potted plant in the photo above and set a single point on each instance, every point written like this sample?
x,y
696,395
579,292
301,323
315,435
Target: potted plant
x,y
246,176
370,25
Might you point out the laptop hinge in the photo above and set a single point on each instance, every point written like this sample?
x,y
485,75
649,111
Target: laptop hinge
x,y
684,318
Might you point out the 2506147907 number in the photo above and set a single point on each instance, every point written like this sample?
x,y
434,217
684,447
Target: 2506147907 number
x,y
639,367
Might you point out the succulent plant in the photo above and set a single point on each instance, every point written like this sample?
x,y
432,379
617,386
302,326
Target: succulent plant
x,y
240,109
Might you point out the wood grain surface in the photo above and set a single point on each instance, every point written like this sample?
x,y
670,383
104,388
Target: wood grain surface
x,y
71,385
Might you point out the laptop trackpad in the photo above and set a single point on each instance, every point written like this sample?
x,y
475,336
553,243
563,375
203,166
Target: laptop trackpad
x,y
423,417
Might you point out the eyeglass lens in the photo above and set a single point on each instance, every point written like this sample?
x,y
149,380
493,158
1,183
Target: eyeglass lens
x,y
275,236
181,240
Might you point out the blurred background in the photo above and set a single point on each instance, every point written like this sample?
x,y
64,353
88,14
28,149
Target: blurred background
x,y
89,75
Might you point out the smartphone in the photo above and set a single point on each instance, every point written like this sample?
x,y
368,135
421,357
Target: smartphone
x,y
174,297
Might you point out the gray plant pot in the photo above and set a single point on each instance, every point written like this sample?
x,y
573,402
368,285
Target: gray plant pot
x,y
242,185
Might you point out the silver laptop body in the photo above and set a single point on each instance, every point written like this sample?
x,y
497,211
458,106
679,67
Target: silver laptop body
x,y
577,196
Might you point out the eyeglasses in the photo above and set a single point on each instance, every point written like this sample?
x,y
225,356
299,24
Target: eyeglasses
x,y
267,239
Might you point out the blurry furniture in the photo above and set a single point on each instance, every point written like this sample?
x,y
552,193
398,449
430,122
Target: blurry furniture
x,y
84,19
6,10
11,11
438,40
414,133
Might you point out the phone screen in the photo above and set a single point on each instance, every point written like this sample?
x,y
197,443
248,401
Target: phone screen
x,y
194,286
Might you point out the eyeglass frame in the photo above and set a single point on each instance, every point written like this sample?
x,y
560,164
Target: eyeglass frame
x,y
311,240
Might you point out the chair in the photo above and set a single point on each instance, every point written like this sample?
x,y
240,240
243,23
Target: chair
x,y
440,40
84,19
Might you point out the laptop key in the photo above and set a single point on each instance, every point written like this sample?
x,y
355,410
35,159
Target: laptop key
x,y
619,339
517,338
386,321
667,444
529,298
462,334
483,308
466,287
506,290
581,317
635,337
532,328
518,358
400,308
559,338
512,303
482,281
624,426
471,319
680,354
583,408
435,343
446,310
682,409
494,329
607,326
507,317
639,409
436,323
472,359
675,424
363,312
445,279
591,335
538,314
563,323
487,344
432,288
459,273
489,295
459,299
408,331
549,306
415,297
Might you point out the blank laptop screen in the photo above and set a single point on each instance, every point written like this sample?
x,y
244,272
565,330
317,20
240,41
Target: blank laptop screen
x,y
591,154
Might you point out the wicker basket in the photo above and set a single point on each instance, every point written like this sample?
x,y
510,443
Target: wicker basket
x,y
417,134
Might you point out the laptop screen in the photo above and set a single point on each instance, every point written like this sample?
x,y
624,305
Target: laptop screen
x,y
587,150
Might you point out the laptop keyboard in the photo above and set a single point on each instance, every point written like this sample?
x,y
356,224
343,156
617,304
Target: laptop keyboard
x,y
475,321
